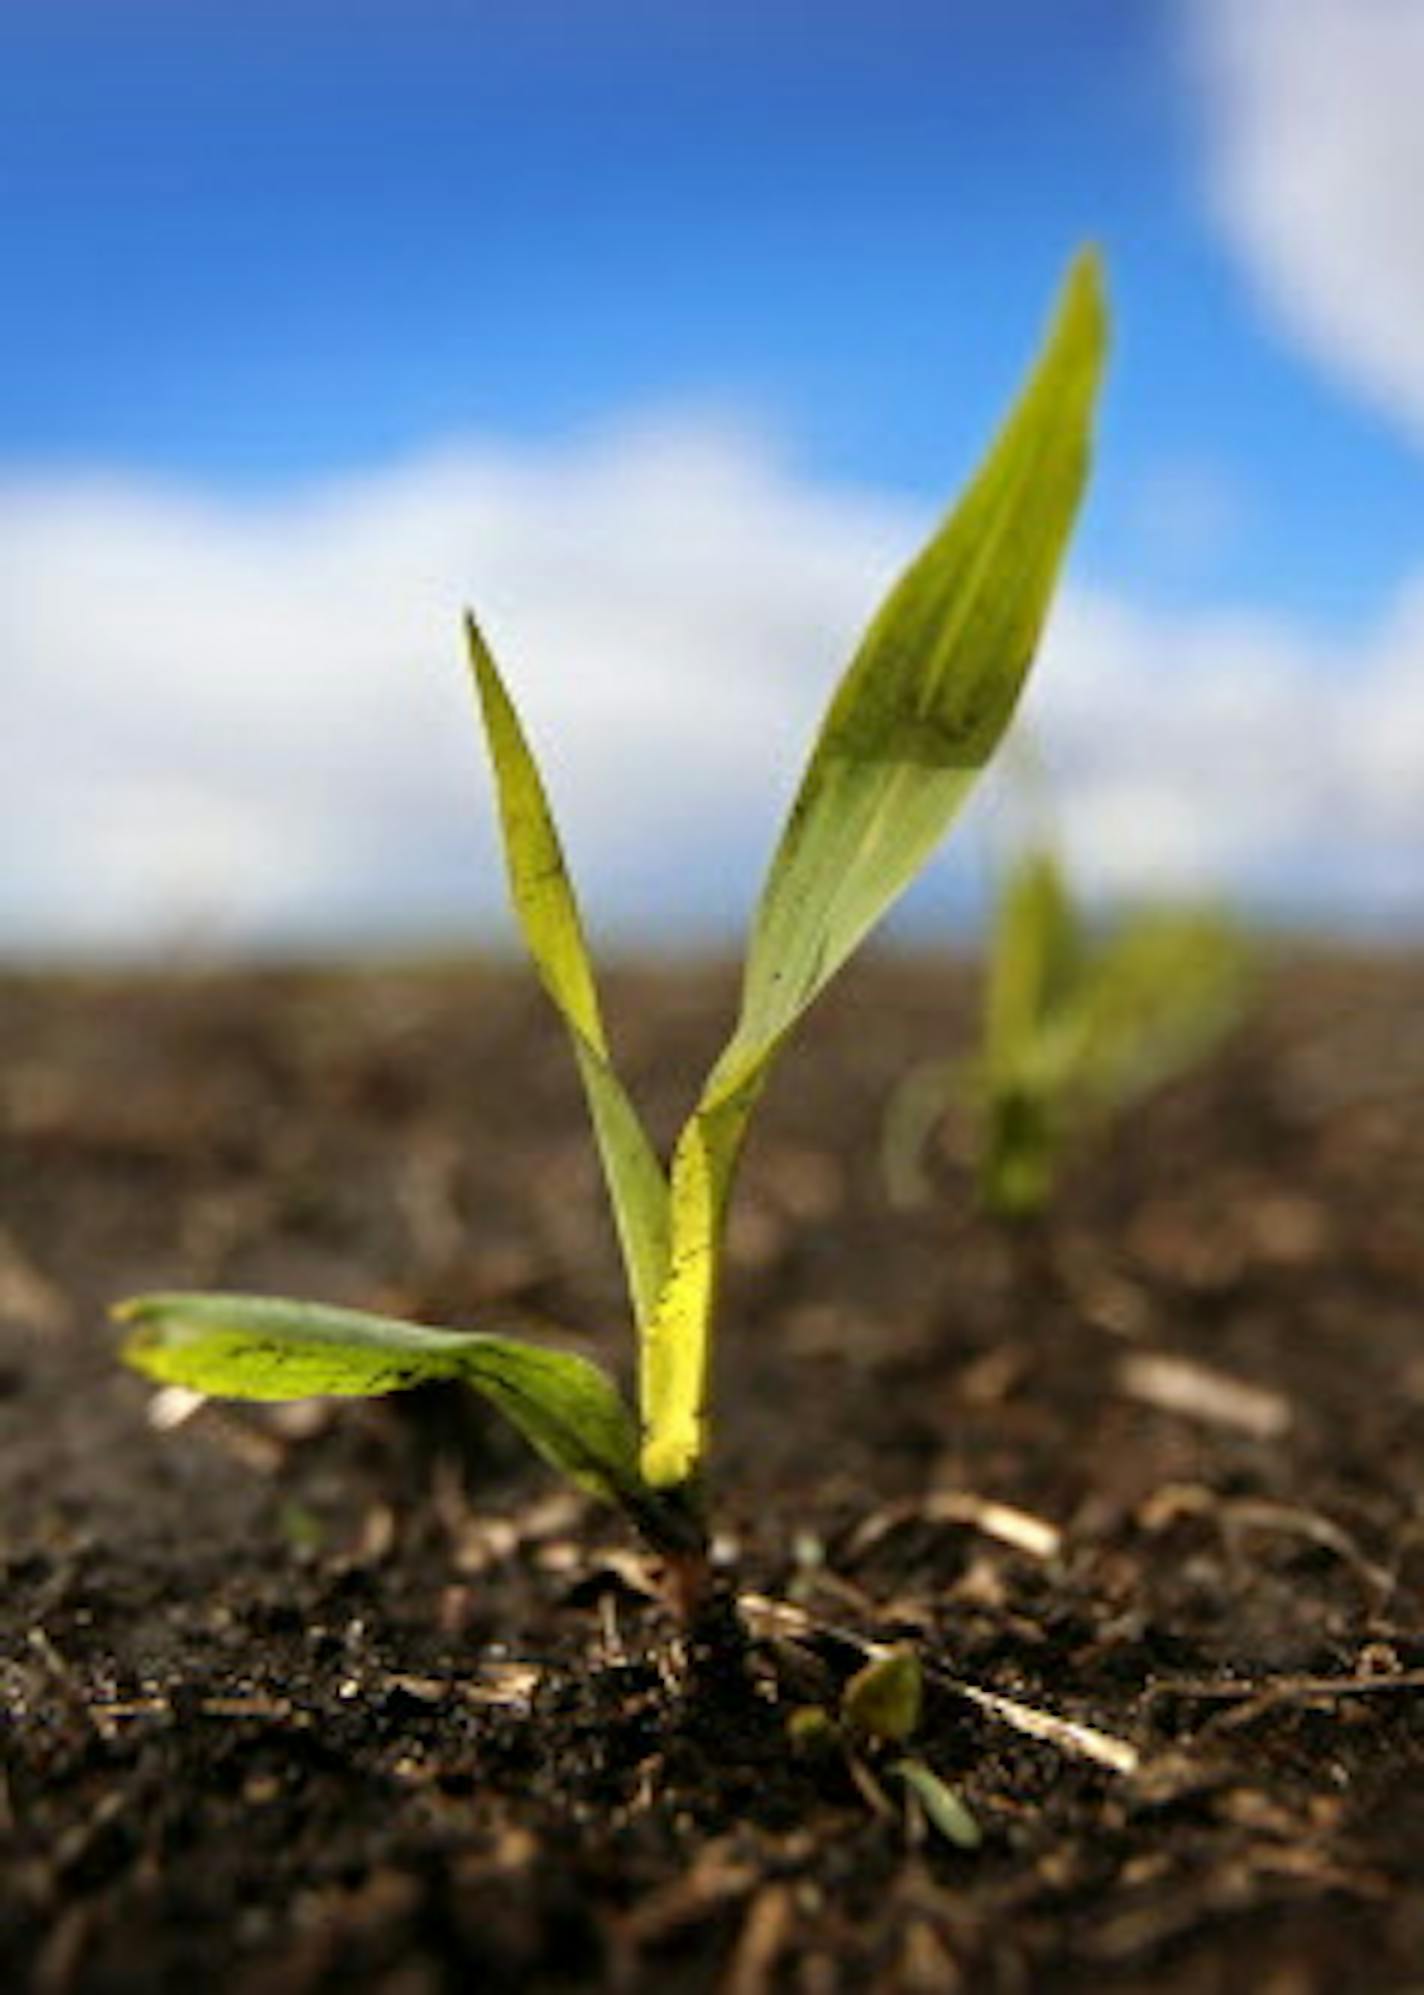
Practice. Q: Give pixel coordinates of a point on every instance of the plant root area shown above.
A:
(355, 1696)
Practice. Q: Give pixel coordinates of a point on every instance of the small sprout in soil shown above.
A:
(813, 1732)
(880, 1710)
(884, 1699)
(911, 726)
(1074, 1027)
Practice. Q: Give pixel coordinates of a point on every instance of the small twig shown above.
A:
(172, 1407)
(1235, 1515)
(1251, 1700)
(133, 1707)
(64, 1676)
(1019, 1529)
(762, 1941)
(610, 1634)
(276, 1709)
(508, 1685)
(1257, 1513)
(1087, 1741)
(1198, 1392)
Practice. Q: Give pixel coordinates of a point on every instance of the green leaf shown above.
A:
(915, 719)
(931, 689)
(1036, 962)
(544, 902)
(812, 1731)
(1076, 1026)
(944, 1810)
(885, 1698)
(260, 1347)
(1150, 1000)
(1036, 959)
(672, 1373)
(912, 1114)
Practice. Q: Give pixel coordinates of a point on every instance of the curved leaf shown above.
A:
(1150, 1000)
(262, 1347)
(915, 719)
(1076, 1025)
(945, 1810)
(930, 690)
(885, 1697)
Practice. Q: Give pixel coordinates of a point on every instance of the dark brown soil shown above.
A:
(358, 1698)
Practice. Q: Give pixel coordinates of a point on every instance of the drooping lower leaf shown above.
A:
(262, 1347)
(915, 719)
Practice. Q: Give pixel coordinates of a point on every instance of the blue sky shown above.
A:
(255, 251)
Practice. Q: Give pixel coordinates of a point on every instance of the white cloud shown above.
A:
(1318, 162)
(250, 723)
(1239, 753)
(254, 721)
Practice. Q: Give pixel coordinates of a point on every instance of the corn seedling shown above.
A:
(913, 722)
(1074, 1028)
(871, 1733)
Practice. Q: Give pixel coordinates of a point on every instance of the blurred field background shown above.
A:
(658, 335)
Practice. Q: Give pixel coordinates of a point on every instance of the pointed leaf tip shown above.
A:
(913, 722)
(547, 911)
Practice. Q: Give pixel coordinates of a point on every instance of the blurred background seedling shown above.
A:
(1077, 1022)
(880, 1711)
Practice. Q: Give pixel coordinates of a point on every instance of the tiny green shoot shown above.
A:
(884, 1699)
(944, 1810)
(912, 724)
(880, 1711)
